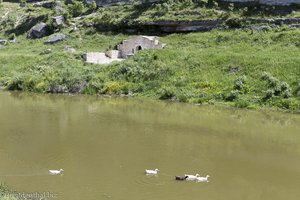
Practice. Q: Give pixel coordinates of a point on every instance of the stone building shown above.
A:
(124, 50)
(131, 46)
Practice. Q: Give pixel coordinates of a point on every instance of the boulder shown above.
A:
(58, 20)
(55, 38)
(59, 9)
(44, 4)
(69, 49)
(37, 31)
(3, 42)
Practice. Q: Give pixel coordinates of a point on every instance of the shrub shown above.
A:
(272, 81)
(297, 91)
(117, 88)
(234, 94)
(234, 23)
(290, 104)
(268, 94)
(91, 6)
(76, 8)
(23, 3)
(239, 83)
(167, 92)
(242, 103)
(12, 36)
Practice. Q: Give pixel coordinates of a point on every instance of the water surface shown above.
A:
(105, 144)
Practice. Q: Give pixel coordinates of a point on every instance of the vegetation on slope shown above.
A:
(242, 67)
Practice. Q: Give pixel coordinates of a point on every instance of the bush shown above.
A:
(76, 8)
(235, 23)
(12, 36)
(297, 91)
(268, 94)
(116, 88)
(290, 104)
(91, 6)
(239, 83)
(242, 103)
(167, 92)
(234, 94)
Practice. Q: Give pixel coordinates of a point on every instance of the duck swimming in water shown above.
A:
(55, 172)
(192, 177)
(180, 178)
(151, 172)
(203, 179)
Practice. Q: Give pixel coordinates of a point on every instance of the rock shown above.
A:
(56, 38)
(12, 41)
(58, 20)
(59, 9)
(58, 89)
(273, 26)
(78, 87)
(69, 49)
(3, 42)
(45, 4)
(259, 28)
(37, 31)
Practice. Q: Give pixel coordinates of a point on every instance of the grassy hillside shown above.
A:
(241, 68)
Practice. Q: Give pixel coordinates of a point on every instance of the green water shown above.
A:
(105, 144)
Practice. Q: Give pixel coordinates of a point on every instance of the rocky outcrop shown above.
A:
(37, 31)
(45, 4)
(286, 21)
(207, 25)
(3, 42)
(55, 38)
(103, 3)
(185, 26)
(266, 2)
(58, 20)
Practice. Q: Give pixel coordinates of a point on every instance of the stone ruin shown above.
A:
(124, 50)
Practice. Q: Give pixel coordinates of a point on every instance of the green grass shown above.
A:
(215, 67)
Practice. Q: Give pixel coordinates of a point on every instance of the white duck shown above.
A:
(151, 172)
(202, 179)
(192, 177)
(55, 172)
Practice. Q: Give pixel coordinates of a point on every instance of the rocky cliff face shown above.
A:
(268, 2)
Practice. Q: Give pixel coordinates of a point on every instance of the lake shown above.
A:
(105, 144)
